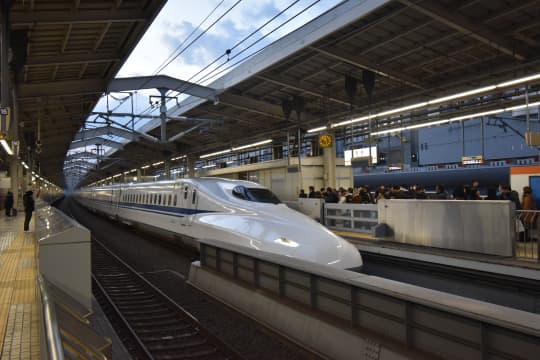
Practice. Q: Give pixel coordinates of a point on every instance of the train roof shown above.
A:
(208, 182)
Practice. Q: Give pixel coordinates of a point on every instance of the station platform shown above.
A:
(19, 303)
(497, 264)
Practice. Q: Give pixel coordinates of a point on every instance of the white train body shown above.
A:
(239, 212)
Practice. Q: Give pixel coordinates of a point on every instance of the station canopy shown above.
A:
(63, 54)
(359, 58)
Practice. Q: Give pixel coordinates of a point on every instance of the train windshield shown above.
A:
(255, 194)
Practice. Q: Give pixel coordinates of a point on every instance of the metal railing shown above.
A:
(360, 218)
(527, 234)
(53, 340)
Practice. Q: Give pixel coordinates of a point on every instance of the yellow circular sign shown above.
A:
(325, 141)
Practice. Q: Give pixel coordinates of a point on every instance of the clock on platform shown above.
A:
(325, 141)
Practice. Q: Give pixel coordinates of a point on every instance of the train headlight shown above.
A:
(284, 241)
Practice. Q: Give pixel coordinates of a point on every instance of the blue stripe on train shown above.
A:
(162, 209)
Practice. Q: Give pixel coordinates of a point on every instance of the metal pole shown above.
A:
(4, 76)
(482, 135)
(163, 114)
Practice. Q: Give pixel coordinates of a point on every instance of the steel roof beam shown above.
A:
(81, 155)
(252, 105)
(81, 163)
(351, 59)
(465, 26)
(283, 82)
(106, 130)
(77, 17)
(59, 88)
(165, 82)
(94, 141)
(71, 59)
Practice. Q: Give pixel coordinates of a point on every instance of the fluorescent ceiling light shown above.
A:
(462, 94)
(6, 146)
(226, 151)
(519, 81)
(457, 118)
(178, 158)
(208, 166)
(215, 153)
(252, 145)
(157, 163)
(145, 167)
(317, 129)
(434, 101)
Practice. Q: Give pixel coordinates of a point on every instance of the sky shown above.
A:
(169, 35)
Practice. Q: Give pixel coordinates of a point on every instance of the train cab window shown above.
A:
(186, 190)
(255, 194)
(194, 196)
(175, 200)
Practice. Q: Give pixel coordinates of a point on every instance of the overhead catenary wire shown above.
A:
(212, 74)
(187, 87)
(170, 58)
(174, 55)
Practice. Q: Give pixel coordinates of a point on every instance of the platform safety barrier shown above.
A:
(527, 234)
(419, 319)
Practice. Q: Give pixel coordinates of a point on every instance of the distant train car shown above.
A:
(239, 212)
(449, 178)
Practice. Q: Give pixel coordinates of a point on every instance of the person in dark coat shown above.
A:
(28, 201)
(9, 203)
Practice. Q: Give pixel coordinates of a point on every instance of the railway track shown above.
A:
(149, 323)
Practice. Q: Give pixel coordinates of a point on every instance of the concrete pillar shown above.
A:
(329, 165)
(191, 166)
(167, 166)
(14, 187)
(28, 177)
(4, 73)
(139, 175)
(277, 151)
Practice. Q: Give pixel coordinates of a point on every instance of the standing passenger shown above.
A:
(528, 216)
(474, 191)
(28, 202)
(9, 203)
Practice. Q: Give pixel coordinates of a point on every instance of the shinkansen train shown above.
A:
(239, 212)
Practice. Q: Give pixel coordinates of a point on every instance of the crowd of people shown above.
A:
(363, 194)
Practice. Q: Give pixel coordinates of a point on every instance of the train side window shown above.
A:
(194, 196)
(185, 192)
(159, 199)
(169, 202)
(175, 200)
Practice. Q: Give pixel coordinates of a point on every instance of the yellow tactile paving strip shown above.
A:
(19, 306)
